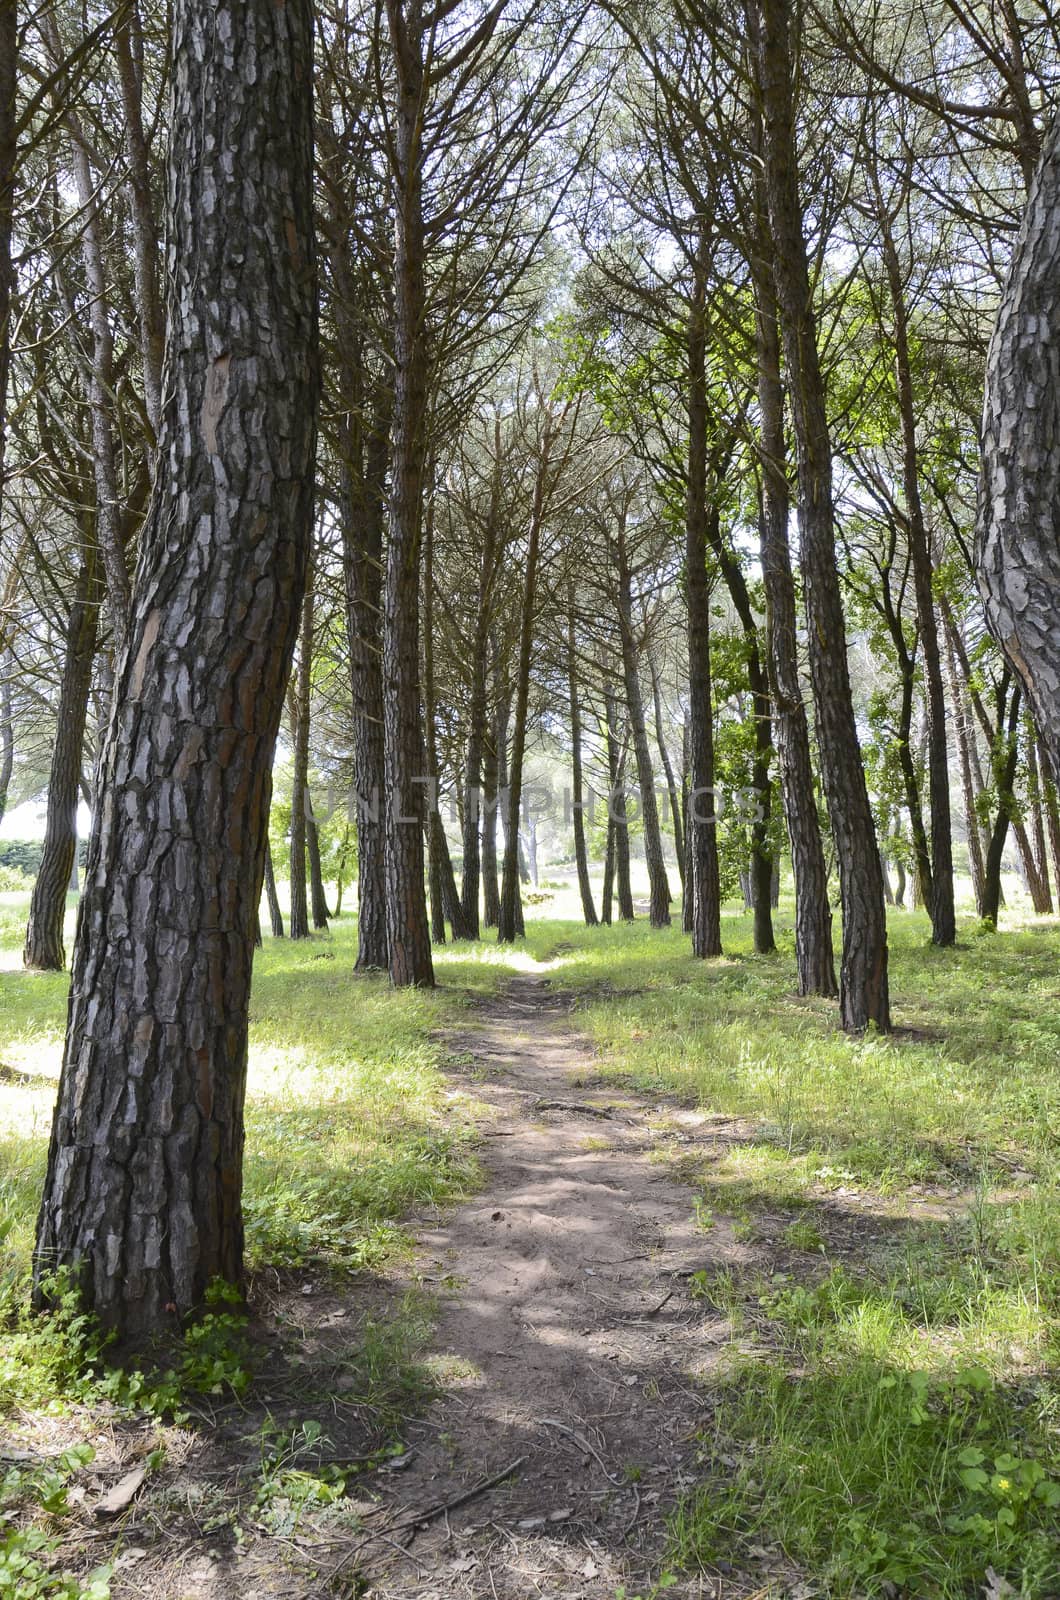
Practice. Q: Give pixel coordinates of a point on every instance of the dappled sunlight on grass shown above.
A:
(972, 1072)
(349, 1121)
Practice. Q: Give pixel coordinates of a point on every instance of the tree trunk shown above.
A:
(618, 825)
(363, 516)
(318, 900)
(863, 989)
(142, 1197)
(676, 816)
(658, 884)
(300, 773)
(1018, 523)
(408, 929)
(581, 853)
(702, 876)
(8, 162)
(907, 762)
(508, 926)
(1005, 759)
(275, 914)
(941, 904)
(607, 889)
(44, 950)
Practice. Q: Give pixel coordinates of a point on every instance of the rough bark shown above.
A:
(863, 989)
(1036, 806)
(8, 159)
(275, 914)
(1018, 523)
(658, 883)
(44, 951)
(940, 899)
(110, 526)
(363, 518)
(142, 1197)
(702, 877)
(444, 895)
(581, 853)
(408, 929)
(300, 713)
(965, 737)
(1005, 759)
(791, 733)
(491, 893)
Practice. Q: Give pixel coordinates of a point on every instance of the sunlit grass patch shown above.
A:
(350, 1122)
(879, 1478)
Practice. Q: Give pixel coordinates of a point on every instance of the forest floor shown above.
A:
(597, 1273)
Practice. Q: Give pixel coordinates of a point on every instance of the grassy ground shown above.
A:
(348, 1124)
(888, 1415)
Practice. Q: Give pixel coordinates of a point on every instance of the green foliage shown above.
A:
(27, 1550)
(879, 1477)
(24, 1575)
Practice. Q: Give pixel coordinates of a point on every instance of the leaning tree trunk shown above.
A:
(581, 853)
(863, 989)
(1018, 523)
(275, 914)
(128, 51)
(791, 734)
(44, 950)
(300, 775)
(702, 876)
(142, 1196)
(659, 887)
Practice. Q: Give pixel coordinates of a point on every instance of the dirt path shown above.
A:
(567, 1339)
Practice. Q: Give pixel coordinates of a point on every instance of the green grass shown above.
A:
(887, 1418)
(971, 1075)
(349, 1124)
